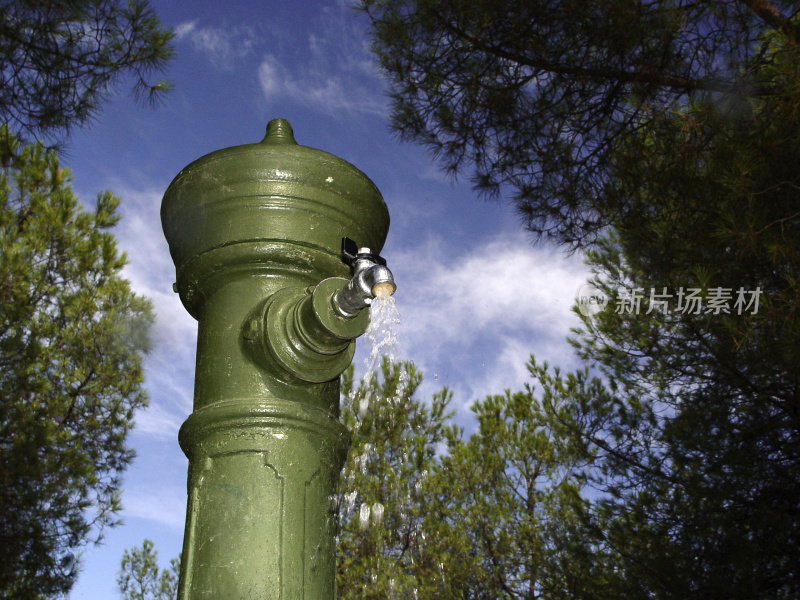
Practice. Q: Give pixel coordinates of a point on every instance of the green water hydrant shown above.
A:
(261, 239)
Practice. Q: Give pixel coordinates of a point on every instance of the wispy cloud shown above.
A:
(162, 503)
(169, 366)
(331, 91)
(182, 30)
(222, 46)
(159, 420)
(333, 71)
(503, 285)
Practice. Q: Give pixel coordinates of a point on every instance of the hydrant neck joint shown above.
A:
(300, 335)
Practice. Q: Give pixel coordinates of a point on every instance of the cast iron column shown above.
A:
(255, 232)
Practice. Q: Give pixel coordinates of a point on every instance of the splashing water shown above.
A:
(377, 513)
(382, 335)
(350, 501)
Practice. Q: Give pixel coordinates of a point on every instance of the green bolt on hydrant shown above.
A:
(261, 236)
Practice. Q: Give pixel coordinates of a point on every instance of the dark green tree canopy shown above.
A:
(703, 441)
(664, 133)
(61, 57)
(695, 445)
(534, 97)
(72, 336)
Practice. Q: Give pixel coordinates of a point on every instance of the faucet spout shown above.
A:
(383, 284)
(371, 279)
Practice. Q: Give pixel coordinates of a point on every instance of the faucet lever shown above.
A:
(351, 253)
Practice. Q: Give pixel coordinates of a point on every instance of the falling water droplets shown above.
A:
(350, 502)
(382, 337)
(363, 406)
(377, 513)
(363, 517)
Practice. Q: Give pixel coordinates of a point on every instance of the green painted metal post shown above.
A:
(255, 233)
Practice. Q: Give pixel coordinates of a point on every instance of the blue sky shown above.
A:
(475, 296)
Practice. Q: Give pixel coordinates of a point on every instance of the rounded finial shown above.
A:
(279, 132)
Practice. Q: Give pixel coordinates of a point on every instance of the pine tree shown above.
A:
(509, 517)
(61, 58)
(696, 441)
(140, 577)
(72, 337)
(384, 488)
(663, 137)
(533, 98)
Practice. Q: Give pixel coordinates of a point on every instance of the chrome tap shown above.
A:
(371, 278)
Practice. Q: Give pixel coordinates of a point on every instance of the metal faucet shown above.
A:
(371, 278)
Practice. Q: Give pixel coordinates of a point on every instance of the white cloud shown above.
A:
(503, 370)
(222, 46)
(332, 72)
(269, 77)
(184, 29)
(151, 270)
(158, 421)
(169, 366)
(163, 503)
(502, 286)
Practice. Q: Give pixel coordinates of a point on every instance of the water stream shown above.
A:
(382, 336)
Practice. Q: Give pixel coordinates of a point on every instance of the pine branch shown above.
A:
(774, 18)
(651, 77)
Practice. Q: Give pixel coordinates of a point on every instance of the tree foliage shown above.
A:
(704, 440)
(664, 133)
(140, 577)
(384, 489)
(72, 336)
(695, 443)
(509, 516)
(536, 97)
(427, 514)
(61, 58)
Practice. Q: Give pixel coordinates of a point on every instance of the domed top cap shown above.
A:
(279, 132)
(274, 190)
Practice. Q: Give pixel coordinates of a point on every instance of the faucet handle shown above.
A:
(351, 252)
